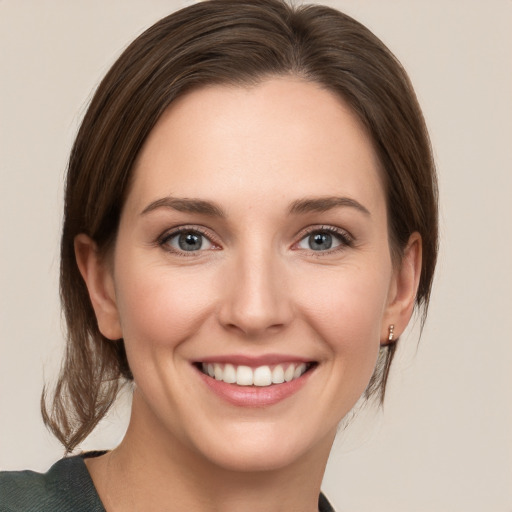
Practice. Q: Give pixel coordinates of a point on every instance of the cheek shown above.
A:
(159, 307)
(347, 309)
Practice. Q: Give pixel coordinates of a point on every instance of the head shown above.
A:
(242, 46)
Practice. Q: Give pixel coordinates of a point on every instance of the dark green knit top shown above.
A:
(66, 487)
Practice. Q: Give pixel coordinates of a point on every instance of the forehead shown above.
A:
(284, 135)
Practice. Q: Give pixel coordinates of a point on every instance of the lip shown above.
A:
(254, 361)
(254, 396)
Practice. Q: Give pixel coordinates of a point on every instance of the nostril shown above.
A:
(255, 302)
(253, 329)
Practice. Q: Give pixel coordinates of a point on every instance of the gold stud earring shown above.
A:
(391, 332)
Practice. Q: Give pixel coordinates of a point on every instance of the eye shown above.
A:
(324, 239)
(186, 241)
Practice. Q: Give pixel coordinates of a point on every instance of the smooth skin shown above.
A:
(278, 194)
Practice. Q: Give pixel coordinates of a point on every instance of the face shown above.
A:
(251, 277)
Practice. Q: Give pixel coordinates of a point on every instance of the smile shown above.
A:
(261, 376)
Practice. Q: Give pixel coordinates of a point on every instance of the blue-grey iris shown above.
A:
(190, 241)
(320, 241)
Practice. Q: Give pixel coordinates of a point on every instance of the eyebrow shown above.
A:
(298, 207)
(323, 204)
(186, 205)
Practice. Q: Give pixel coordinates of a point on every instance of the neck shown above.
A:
(151, 470)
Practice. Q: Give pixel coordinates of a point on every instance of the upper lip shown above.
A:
(255, 361)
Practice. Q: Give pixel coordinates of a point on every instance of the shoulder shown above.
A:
(20, 490)
(323, 504)
(67, 486)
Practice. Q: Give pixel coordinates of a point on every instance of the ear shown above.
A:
(98, 276)
(403, 290)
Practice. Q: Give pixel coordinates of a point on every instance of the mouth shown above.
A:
(259, 376)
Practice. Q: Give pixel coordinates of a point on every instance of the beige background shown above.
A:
(444, 440)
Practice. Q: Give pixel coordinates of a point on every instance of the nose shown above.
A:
(255, 298)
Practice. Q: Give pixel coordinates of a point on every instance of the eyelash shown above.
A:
(345, 239)
(163, 240)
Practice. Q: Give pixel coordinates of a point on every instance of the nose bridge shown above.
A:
(255, 299)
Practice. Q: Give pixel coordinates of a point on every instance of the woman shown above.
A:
(250, 220)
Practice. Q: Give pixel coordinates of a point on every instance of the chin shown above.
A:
(264, 448)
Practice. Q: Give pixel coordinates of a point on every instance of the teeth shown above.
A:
(229, 374)
(244, 376)
(260, 376)
(278, 375)
(288, 374)
(299, 371)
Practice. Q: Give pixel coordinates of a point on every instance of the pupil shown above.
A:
(320, 241)
(190, 242)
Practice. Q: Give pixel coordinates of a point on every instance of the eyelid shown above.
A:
(346, 239)
(186, 228)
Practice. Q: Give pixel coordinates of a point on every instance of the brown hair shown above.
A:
(232, 42)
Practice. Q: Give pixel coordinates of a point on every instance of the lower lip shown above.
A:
(255, 396)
